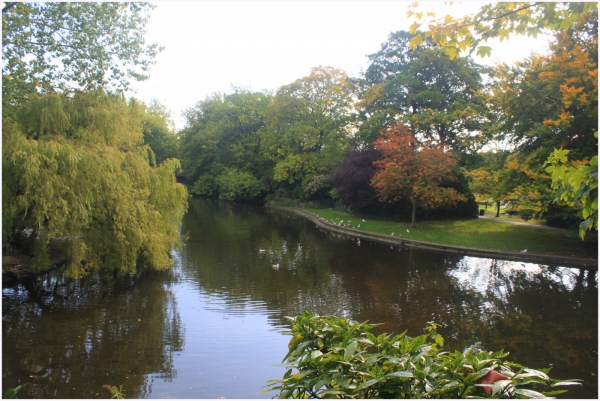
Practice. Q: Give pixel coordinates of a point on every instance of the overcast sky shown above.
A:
(262, 45)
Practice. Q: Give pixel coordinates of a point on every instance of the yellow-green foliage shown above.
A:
(76, 168)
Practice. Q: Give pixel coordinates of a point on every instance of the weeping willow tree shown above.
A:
(76, 172)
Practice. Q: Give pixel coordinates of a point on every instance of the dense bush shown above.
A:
(234, 184)
(319, 187)
(205, 185)
(340, 358)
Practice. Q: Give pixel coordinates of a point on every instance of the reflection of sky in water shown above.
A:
(491, 277)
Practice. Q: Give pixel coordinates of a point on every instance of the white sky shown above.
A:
(262, 45)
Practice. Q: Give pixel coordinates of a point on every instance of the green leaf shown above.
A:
(484, 51)
(404, 373)
(567, 383)
(416, 41)
(368, 383)
(472, 378)
(452, 52)
(500, 386)
(349, 352)
(323, 382)
(315, 354)
(529, 393)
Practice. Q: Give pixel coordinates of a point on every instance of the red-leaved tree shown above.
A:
(414, 170)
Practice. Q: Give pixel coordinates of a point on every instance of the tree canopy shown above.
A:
(309, 125)
(222, 148)
(76, 168)
(438, 98)
(77, 176)
(73, 46)
(413, 170)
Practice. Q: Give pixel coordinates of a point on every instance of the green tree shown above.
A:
(159, 132)
(495, 20)
(75, 167)
(238, 185)
(225, 132)
(438, 98)
(577, 184)
(309, 126)
(74, 46)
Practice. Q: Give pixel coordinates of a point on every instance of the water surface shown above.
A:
(213, 326)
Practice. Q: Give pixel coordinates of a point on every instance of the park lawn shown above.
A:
(477, 233)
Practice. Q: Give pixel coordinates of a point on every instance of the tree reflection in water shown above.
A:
(543, 315)
(67, 339)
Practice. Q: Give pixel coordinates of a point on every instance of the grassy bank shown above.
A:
(476, 233)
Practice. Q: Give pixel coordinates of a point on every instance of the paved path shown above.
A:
(519, 223)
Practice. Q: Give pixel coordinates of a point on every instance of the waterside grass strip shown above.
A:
(529, 257)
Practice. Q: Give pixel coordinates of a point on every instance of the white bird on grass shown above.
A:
(275, 267)
(524, 251)
(407, 230)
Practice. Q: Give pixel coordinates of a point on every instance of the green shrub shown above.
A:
(340, 358)
(238, 185)
(205, 185)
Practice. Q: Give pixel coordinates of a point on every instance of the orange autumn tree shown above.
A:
(413, 170)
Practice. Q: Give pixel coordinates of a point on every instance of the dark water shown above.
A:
(212, 327)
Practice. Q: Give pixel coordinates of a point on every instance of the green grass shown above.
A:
(477, 233)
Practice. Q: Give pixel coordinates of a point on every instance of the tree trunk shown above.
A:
(497, 208)
(414, 214)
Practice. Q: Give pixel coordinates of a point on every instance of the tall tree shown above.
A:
(76, 167)
(75, 46)
(414, 170)
(224, 136)
(436, 97)
(546, 103)
(309, 125)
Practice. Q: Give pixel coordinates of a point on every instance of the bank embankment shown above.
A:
(526, 256)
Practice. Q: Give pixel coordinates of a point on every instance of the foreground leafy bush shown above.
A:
(340, 358)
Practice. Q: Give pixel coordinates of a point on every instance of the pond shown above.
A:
(214, 325)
